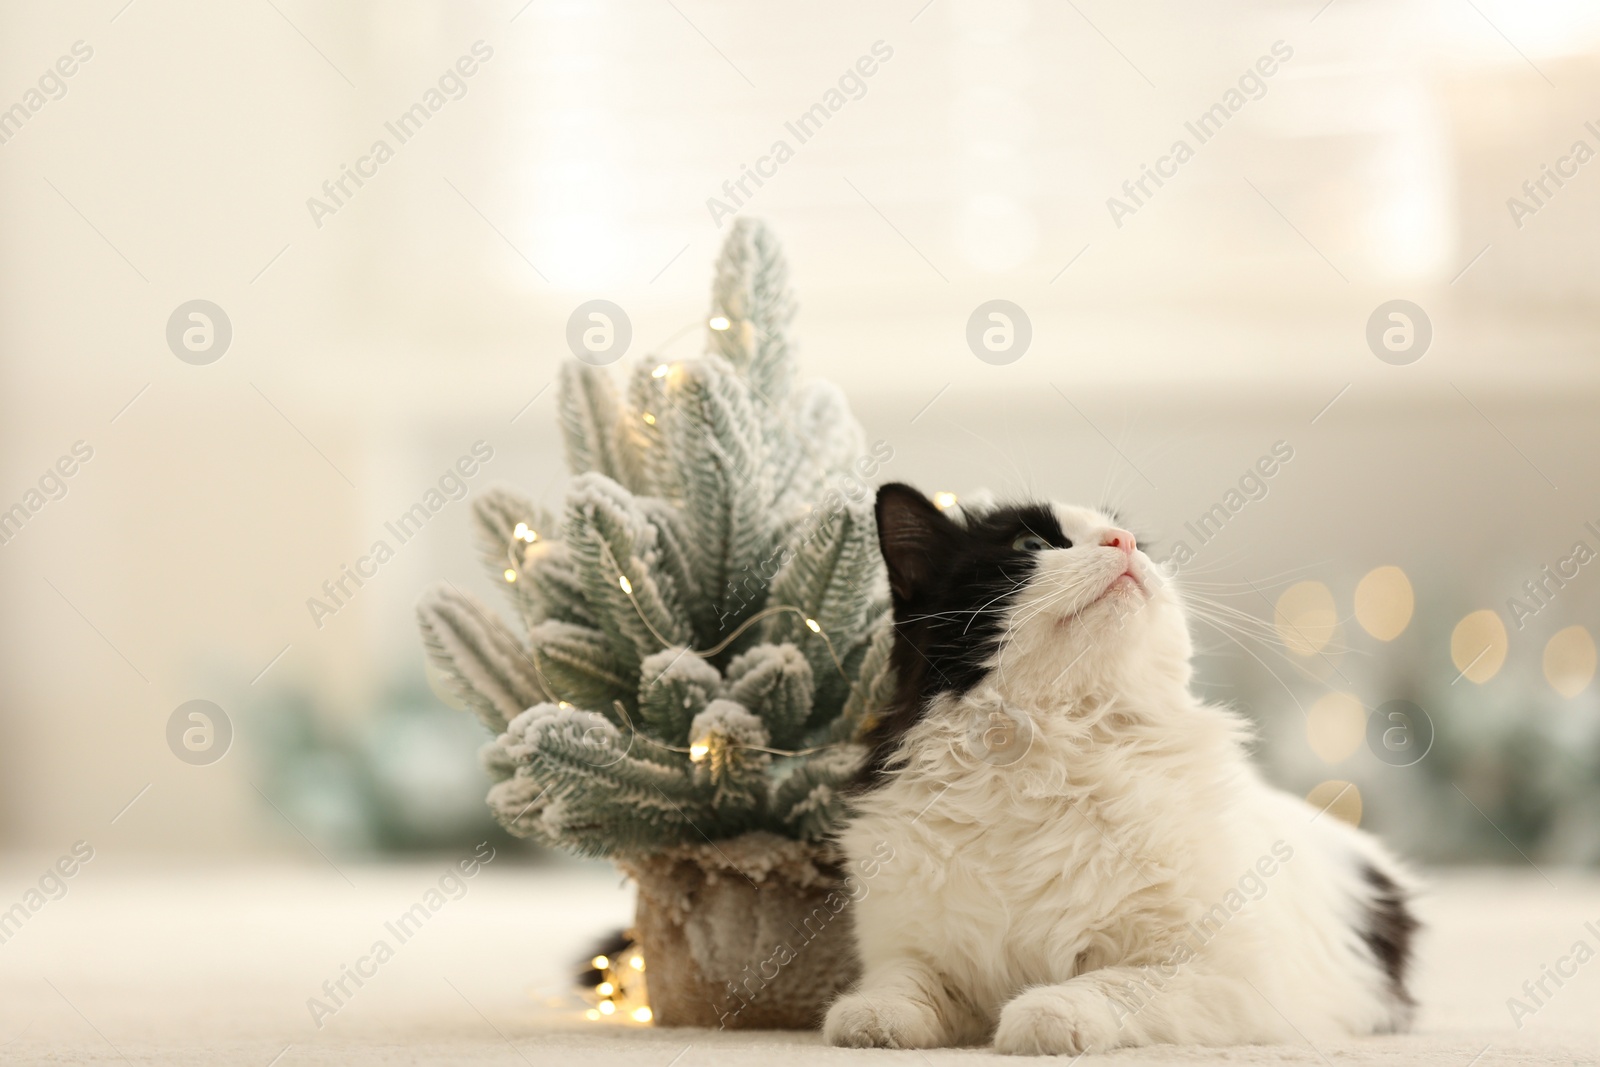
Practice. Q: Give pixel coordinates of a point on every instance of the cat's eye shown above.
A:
(1030, 543)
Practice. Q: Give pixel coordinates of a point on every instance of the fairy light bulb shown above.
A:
(605, 989)
(813, 626)
(660, 371)
(720, 322)
(944, 500)
(649, 419)
(510, 575)
(643, 1015)
(698, 751)
(599, 963)
(636, 962)
(627, 586)
(606, 1007)
(591, 1015)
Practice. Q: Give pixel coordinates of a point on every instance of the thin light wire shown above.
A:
(622, 712)
(765, 613)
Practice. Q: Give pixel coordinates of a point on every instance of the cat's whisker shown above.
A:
(1264, 665)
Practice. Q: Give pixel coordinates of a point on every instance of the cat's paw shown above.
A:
(881, 1020)
(1056, 1021)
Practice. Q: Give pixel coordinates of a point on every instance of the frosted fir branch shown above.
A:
(704, 495)
(589, 412)
(775, 683)
(836, 578)
(578, 665)
(872, 689)
(833, 573)
(518, 802)
(647, 394)
(833, 440)
(481, 660)
(495, 761)
(614, 548)
(599, 796)
(715, 430)
(550, 580)
(733, 767)
(751, 291)
(675, 685)
(810, 793)
(496, 514)
(674, 560)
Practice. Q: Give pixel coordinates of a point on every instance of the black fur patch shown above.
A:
(952, 586)
(1388, 931)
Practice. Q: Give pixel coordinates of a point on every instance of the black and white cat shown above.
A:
(1083, 855)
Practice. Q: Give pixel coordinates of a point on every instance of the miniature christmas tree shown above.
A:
(707, 620)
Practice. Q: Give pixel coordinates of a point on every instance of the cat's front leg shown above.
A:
(1117, 1007)
(1057, 1020)
(899, 1004)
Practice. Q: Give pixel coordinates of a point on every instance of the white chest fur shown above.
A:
(1097, 851)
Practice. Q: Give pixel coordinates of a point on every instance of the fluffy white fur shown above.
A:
(1059, 902)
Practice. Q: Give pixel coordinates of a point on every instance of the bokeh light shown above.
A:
(1478, 646)
(1384, 602)
(1335, 726)
(1306, 618)
(1338, 798)
(1569, 660)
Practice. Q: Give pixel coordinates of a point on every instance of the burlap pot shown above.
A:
(749, 933)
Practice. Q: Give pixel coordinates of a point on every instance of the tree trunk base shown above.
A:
(751, 933)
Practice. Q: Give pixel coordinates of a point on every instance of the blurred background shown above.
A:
(1180, 332)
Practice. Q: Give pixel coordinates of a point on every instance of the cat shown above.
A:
(1083, 856)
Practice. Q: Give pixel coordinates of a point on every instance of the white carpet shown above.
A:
(209, 966)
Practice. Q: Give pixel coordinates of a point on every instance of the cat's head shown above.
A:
(1045, 602)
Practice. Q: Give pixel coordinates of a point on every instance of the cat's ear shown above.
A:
(914, 535)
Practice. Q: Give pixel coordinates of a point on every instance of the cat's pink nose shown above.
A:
(1115, 538)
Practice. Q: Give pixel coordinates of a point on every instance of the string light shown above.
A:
(720, 322)
(620, 991)
(523, 533)
(660, 372)
(944, 500)
(699, 750)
